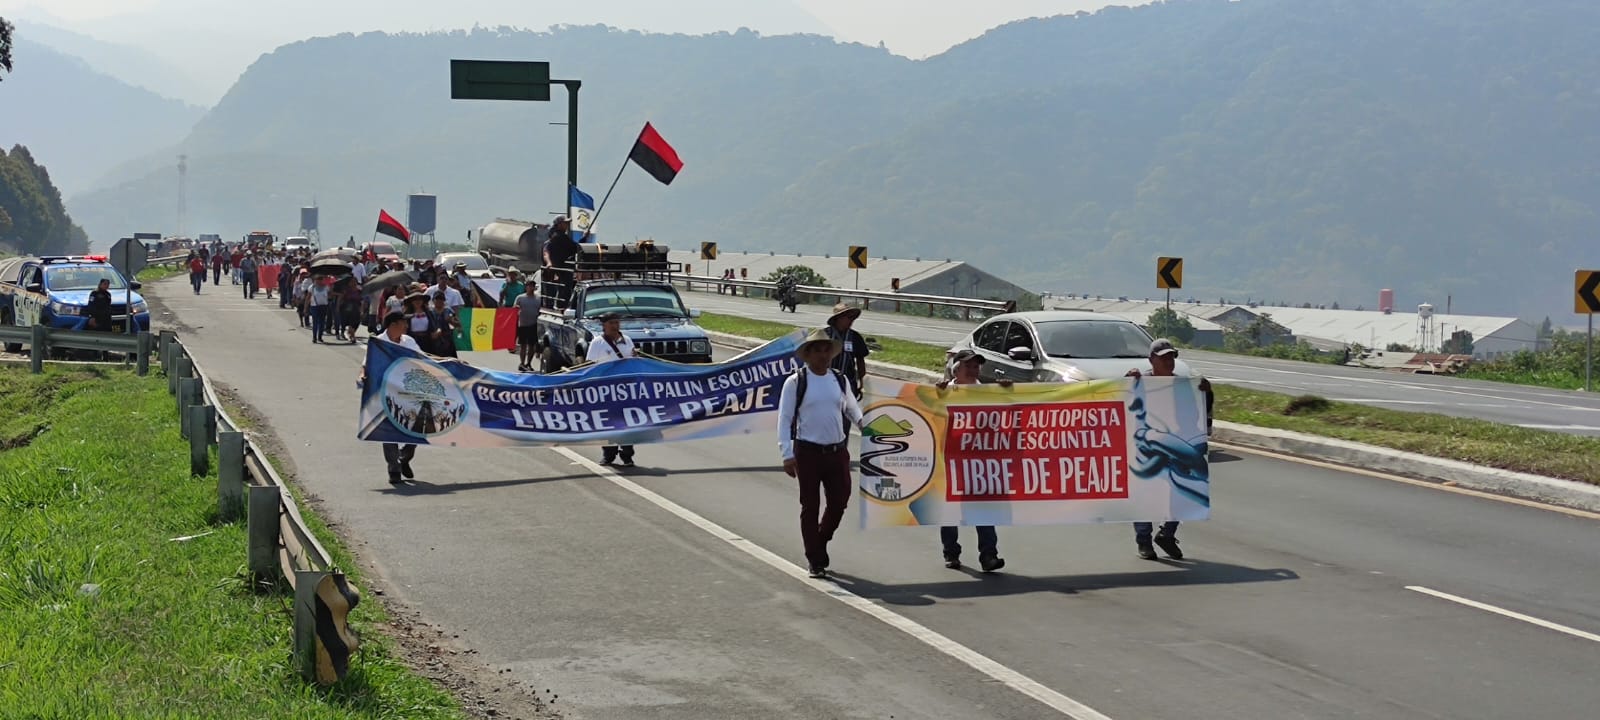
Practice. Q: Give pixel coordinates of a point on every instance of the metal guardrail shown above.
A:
(168, 260)
(280, 544)
(966, 305)
(41, 340)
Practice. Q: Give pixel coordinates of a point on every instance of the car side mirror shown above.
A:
(570, 314)
(1021, 354)
(694, 312)
(136, 284)
(35, 287)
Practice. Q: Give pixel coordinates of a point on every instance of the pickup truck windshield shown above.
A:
(474, 261)
(80, 278)
(640, 301)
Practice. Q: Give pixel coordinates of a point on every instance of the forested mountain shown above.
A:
(32, 218)
(1293, 150)
(84, 121)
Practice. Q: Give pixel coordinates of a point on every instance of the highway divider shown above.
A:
(965, 305)
(281, 546)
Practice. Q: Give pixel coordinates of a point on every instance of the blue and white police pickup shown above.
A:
(54, 291)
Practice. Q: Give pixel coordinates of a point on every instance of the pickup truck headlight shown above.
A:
(700, 346)
(62, 308)
(140, 307)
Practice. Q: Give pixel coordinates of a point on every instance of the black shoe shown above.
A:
(405, 469)
(1169, 545)
(991, 563)
(1146, 551)
(394, 479)
(607, 461)
(817, 571)
(627, 462)
(953, 562)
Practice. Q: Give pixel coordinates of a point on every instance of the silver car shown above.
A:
(1059, 346)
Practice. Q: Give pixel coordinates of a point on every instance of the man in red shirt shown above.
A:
(197, 271)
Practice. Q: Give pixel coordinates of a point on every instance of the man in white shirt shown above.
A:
(611, 346)
(397, 456)
(815, 411)
(318, 297)
(452, 296)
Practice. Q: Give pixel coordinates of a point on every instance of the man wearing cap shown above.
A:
(611, 346)
(395, 455)
(966, 363)
(1164, 363)
(852, 359)
(527, 305)
(559, 251)
(815, 412)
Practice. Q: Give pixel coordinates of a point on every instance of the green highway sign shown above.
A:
(499, 80)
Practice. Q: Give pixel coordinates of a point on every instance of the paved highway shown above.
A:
(672, 591)
(1534, 407)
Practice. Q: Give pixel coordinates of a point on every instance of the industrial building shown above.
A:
(1329, 329)
(951, 278)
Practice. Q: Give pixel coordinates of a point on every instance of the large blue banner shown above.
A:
(413, 398)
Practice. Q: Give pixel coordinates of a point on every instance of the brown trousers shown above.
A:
(823, 475)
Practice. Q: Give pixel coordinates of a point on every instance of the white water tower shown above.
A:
(1424, 327)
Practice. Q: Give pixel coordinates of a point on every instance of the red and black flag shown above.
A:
(392, 227)
(654, 155)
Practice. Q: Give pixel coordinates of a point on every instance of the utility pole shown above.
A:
(183, 192)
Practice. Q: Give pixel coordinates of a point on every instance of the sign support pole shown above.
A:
(858, 279)
(1588, 357)
(127, 297)
(1169, 299)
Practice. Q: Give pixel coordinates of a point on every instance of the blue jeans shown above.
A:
(319, 321)
(197, 279)
(988, 540)
(1141, 530)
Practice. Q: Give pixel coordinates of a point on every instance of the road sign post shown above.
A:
(1586, 301)
(129, 256)
(858, 261)
(1169, 275)
(708, 252)
(527, 81)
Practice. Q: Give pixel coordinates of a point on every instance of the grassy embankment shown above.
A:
(153, 273)
(106, 612)
(1475, 441)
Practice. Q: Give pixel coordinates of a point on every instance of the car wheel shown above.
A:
(550, 361)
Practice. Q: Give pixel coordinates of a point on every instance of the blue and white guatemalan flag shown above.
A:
(581, 213)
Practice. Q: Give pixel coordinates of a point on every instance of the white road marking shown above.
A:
(1382, 382)
(972, 658)
(1536, 426)
(1531, 620)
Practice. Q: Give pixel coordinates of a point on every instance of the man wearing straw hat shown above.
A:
(815, 412)
(852, 359)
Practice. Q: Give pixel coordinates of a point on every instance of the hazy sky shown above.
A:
(915, 28)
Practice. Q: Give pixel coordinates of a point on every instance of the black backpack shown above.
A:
(800, 396)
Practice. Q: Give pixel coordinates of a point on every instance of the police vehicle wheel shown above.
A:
(8, 319)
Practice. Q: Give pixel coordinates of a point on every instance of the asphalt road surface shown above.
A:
(1534, 407)
(674, 590)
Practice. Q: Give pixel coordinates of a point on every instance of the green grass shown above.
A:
(1550, 378)
(1474, 441)
(890, 350)
(95, 496)
(153, 273)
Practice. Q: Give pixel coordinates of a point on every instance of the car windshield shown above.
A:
(639, 301)
(81, 278)
(1093, 339)
(382, 249)
(474, 262)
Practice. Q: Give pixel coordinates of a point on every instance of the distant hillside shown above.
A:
(32, 217)
(129, 64)
(84, 122)
(1290, 150)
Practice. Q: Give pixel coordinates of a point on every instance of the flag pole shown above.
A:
(596, 219)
